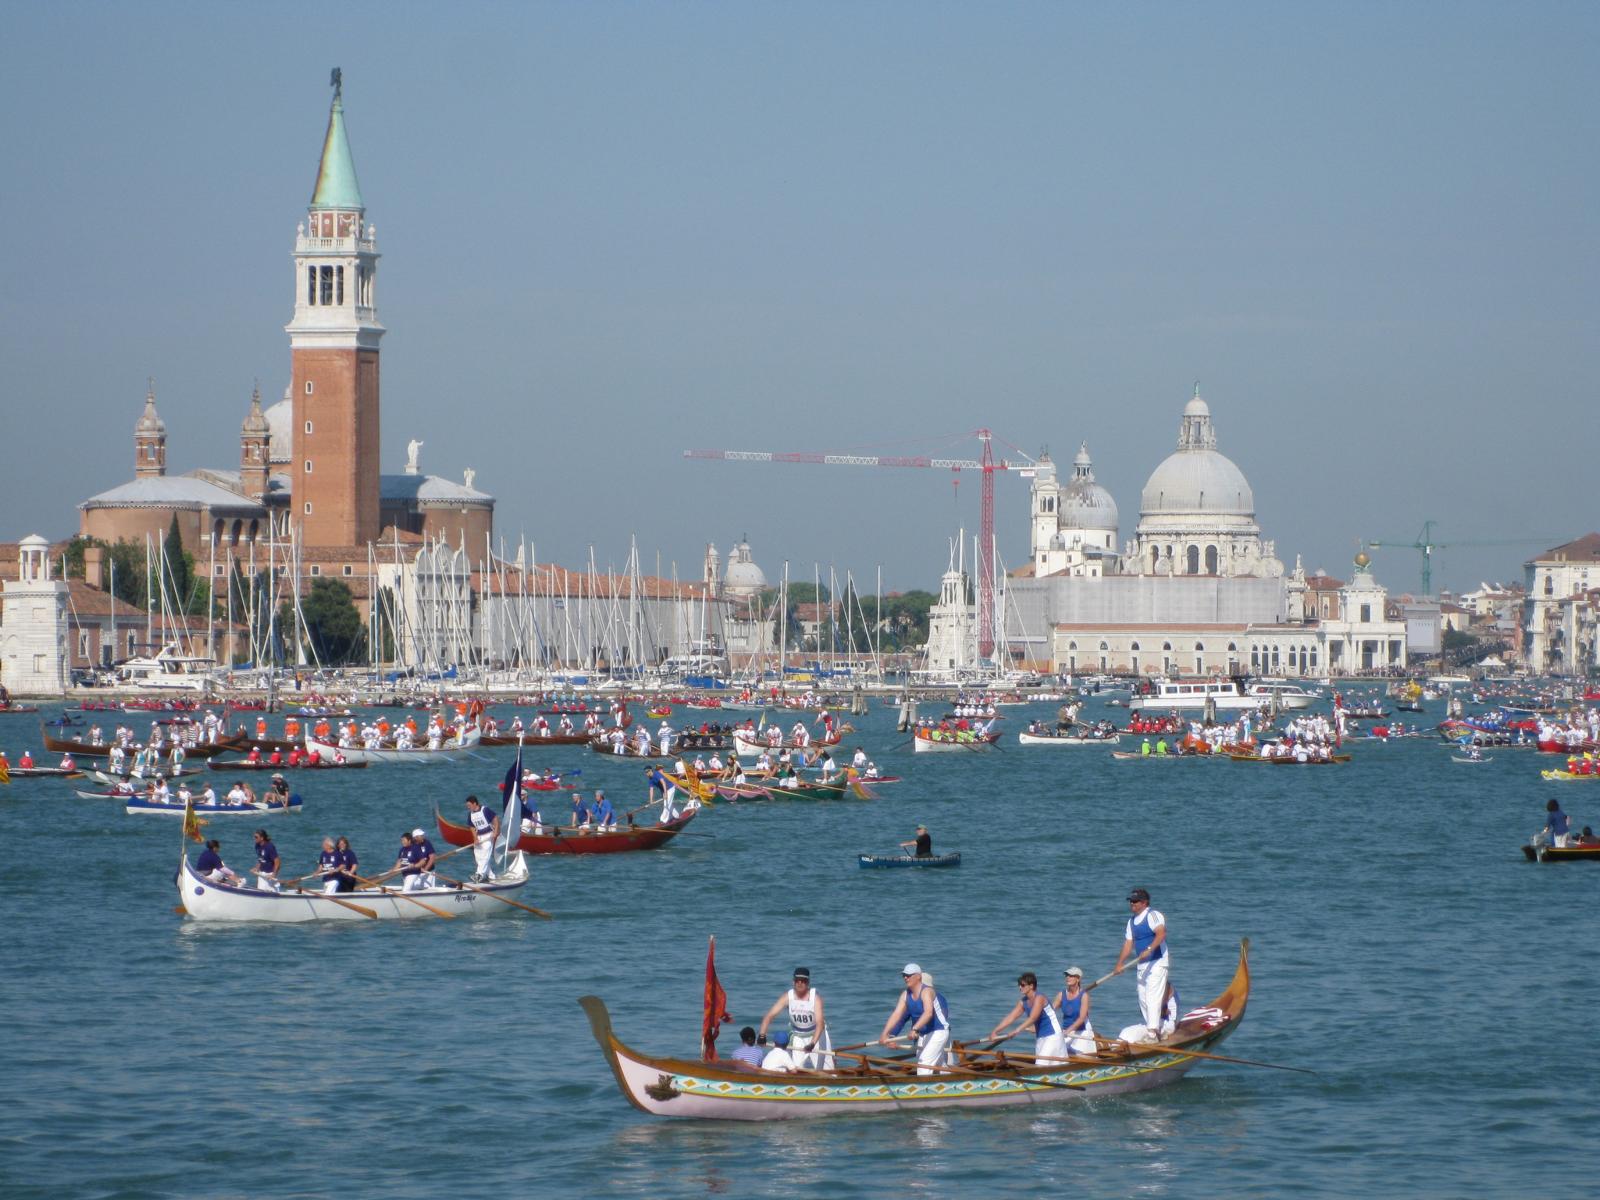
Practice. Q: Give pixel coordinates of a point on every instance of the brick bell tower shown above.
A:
(333, 342)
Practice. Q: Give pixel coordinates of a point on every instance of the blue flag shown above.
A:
(511, 809)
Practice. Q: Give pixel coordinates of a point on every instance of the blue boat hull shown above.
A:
(910, 860)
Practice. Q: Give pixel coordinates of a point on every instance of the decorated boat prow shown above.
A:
(689, 1088)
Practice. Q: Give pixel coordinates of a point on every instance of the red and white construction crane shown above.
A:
(985, 464)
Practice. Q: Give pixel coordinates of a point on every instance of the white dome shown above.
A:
(1198, 481)
(1084, 503)
(744, 577)
(280, 421)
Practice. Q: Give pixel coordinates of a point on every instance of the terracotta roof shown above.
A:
(1584, 549)
(1324, 583)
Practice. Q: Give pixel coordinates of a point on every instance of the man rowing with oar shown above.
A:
(924, 1010)
(1145, 938)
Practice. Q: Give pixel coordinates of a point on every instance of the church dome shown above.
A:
(280, 423)
(1084, 503)
(1197, 479)
(742, 577)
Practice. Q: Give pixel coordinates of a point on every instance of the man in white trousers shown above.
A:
(485, 829)
(1145, 941)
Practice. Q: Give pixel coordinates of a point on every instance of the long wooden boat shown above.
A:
(141, 806)
(1561, 853)
(600, 746)
(1289, 760)
(686, 1087)
(751, 745)
(576, 841)
(457, 747)
(1568, 776)
(532, 741)
(911, 860)
(203, 900)
(244, 764)
(87, 750)
(952, 745)
(1064, 739)
(1482, 758)
(46, 773)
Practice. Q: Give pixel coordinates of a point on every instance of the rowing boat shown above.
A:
(245, 764)
(46, 773)
(87, 750)
(203, 900)
(1561, 853)
(1479, 759)
(456, 747)
(1064, 739)
(578, 841)
(143, 806)
(911, 860)
(747, 744)
(1567, 776)
(683, 1087)
(530, 740)
(952, 744)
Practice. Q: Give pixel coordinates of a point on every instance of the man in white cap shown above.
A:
(924, 1010)
(426, 857)
(1145, 939)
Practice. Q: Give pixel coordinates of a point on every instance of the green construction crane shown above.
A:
(1427, 546)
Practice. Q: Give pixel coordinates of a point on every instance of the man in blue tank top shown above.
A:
(1145, 940)
(925, 1011)
(266, 863)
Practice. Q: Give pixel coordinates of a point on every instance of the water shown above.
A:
(1440, 986)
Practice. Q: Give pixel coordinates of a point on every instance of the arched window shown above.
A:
(255, 529)
(1549, 585)
(1134, 647)
(233, 534)
(1211, 560)
(1192, 565)
(1366, 613)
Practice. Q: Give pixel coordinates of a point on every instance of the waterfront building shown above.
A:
(1197, 589)
(1560, 608)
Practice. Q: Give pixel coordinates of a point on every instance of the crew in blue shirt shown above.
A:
(348, 863)
(267, 863)
(605, 817)
(209, 865)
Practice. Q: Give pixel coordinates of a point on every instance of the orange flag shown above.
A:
(716, 1006)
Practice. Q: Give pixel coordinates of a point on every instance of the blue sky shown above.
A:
(613, 232)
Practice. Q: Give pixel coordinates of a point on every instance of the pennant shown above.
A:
(511, 810)
(716, 1006)
(192, 824)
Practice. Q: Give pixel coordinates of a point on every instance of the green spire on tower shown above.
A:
(336, 174)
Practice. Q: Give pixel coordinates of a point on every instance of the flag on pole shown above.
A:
(5, 770)
(192, 824)
(716, 1006)
(511, 810)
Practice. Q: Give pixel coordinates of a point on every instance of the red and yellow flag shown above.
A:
(192, 824)
(716, 1006)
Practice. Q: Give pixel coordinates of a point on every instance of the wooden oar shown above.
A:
(959, 1073)
(538, 912)
(365, 912)
(438, 912)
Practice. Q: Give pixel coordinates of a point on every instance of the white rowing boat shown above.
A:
(1065, 739)
(456, 747)
(949, 743)
(206, 901)
(141, 806)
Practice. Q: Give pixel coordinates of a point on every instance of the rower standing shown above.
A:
(605, 817)
(427, 856)
(328, 866)
(349, 867)
(809, 1042)
(267, 863)
(485, 828)
(409, 862)
(925, 1011)
(1073, 1004)
(1145, 939)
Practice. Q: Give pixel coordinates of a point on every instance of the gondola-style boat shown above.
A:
(245, 764)
(87, 750)
(751, 745)
(602, 746)
(17, 708)
(531, 741)
(203, 900)
(46, 773)
(952, 744)
(1568, 776)
(1288, 760)
(686, 1087)
(456, 747)
(1535, 853)
(1065, 739)
(140, 805)
(578, 841)
(952, 859)
(771, 789)
(1482, 758)
(1140, 756)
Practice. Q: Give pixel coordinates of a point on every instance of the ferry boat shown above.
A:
(1224, 695)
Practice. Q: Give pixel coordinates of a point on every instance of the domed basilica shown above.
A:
(1195, 590)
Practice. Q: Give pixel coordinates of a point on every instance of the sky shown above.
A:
(612, 232)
